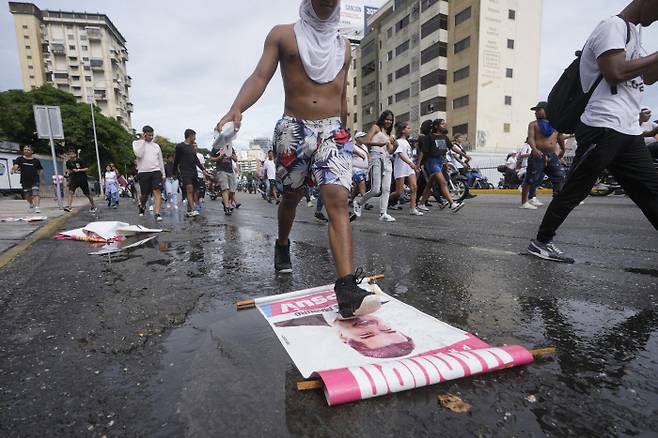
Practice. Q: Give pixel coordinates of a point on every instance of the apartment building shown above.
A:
(78, 52)
(474, 63)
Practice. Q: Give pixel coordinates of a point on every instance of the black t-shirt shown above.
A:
(29, 169)
(225, 164)
(186, 159)
(436, 145)
(76, 163)
(169, 170)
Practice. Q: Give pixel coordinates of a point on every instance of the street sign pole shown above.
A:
(60, 201)
(98, 160)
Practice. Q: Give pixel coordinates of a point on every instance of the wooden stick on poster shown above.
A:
(307, 385)
(248, 304)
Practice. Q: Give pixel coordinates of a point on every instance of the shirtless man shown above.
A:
(547, 148)
(309, 140)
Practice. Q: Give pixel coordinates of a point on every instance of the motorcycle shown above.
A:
(475, 180)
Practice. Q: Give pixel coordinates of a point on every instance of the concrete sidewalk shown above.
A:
(14, 233)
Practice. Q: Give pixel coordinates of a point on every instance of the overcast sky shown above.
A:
(189, 59)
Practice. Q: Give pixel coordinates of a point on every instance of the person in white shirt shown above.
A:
(649, 128)
(111, 186)
(150, 170)
(404, 168)
(609, 135)
(269, 173)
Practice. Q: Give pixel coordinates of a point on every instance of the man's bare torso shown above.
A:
(306, 99)
(545, 144)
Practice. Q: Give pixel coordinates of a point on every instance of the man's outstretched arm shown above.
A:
(255, 85)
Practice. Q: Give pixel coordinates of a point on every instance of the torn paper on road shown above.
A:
(105, 232)
(118, 246)
(24, 219)
(394, 349)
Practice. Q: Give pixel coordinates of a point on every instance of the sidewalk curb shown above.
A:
(40, 233)
(507, 191)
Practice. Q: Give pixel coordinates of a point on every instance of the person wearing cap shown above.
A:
(608, 133)
(360, 164)
(547, 149)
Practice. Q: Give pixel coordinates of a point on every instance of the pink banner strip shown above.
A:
(361, 382)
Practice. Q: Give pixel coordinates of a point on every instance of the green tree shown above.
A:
(17, 125)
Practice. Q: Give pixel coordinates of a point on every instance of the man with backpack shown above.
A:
(613, 70)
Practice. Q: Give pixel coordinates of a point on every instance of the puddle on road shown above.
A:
(222, 365)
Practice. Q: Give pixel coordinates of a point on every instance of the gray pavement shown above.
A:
(148, 342)
(12, 233)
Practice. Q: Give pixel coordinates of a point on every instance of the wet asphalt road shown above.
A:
(148, 343)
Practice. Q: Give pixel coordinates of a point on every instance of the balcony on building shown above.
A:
(94, 33)
(96, 63)
(60, 77)
(57, 48)
(129, 81)
(129, 107)
(124, 55)
(99, 94)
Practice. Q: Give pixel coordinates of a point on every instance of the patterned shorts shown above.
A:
(312, 152)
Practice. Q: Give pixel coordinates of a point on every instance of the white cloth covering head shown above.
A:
(321, 48)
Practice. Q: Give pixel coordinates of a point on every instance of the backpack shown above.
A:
(567, 101)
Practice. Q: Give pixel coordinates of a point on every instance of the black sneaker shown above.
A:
(319, 217)
(352, 300)
(67, 209)
(227, 211)
(237, 205)
(282, 258)
(548, 251)
(141, 210)
(443, 204)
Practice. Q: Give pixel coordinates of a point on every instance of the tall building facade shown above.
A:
(474, 63)
(78, 52)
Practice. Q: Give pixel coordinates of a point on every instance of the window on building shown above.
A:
(84, 58)
(29, 56)
(462, 73)
(31, 76)
(390, 78)
(507, 127)
(389, 55)
(27, 37)
(509, 73)
(88, 78)
(368, 49)
(434, 51)
(460, 129)
(510, 44)
(432, 79)
(84, 48)
(401, 72)
(380, 86)
(390, 100)
(30, 67)
(25, 26)
(389, 32)
(75, 78)
(71, 37)
(27, 47)
(511, 14)
(399, 50)
(354, 63)
(460, 102)
(402, 24)
(508, 100)
(426, 4)
(463, 16)
(368, 68)
(355, 118)
(87, 68)
(354, 99)
(83, 37)
(433, 105)
(439, 21)
(462, 44)
(402, 95)
(402, 118)
(354, 81)
(370, 88)
(71, 47)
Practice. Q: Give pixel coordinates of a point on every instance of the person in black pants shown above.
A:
(608, 134)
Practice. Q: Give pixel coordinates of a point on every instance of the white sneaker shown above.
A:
(386, 218)
(175, 207)
(422, 208)
(528, 206)
(456, 206)
(151, 208)
(415, 212)
(357, 208)
(396, 207)
(309, 204)
(37, 210)
(535, 202)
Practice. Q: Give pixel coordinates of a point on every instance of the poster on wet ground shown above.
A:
(395, 349)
